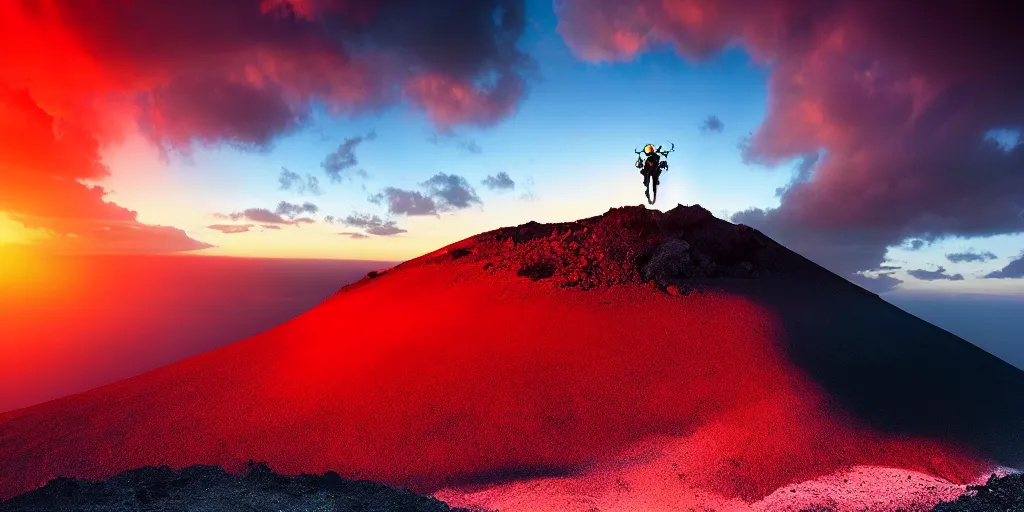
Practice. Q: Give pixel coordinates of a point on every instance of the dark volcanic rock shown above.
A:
(625, 245)
(537, 270)
(210, 489)
(999, 493)
(459, 252)
(671, 259)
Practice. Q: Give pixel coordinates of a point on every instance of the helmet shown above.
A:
(648, 149)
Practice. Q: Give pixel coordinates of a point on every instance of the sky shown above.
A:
(382, 130)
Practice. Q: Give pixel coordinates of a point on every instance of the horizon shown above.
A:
(188, 321)
(312, 170)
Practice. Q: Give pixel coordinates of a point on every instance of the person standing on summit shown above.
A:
(651, 166)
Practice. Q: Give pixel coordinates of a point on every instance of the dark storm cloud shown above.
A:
(241, 73)
(897, 96)
(251, 70)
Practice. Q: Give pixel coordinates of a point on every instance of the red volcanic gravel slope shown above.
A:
(540, 351)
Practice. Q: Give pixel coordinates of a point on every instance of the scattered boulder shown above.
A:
(669, 261)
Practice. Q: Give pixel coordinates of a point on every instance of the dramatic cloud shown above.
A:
(405, 202)
(897, 96)
(340, 164)
(500, 182)
(712, 124)
(934, 275)
(78, 76)
(329, 219)
(372, 224)
(231, 228)
(1015, 269)
(803, 173)
(293, 181)
(970, 256)
(354, 235)
(45, 161)
(251, 69)
(451, 192)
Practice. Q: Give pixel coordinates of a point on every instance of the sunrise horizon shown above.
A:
(322, 157)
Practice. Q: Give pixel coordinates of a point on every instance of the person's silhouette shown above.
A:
(651, 167)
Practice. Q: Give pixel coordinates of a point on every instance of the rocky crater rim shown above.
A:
(630, 244)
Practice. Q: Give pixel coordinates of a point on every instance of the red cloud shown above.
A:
(240, 72)
(43, 158)
(245, 71)
(898, 96)
(451, 102)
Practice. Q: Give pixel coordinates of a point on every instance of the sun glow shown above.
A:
(14, 232)
(28, 270)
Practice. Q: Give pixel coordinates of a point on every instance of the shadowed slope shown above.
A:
(541, 350)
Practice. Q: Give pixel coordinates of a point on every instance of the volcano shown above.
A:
(634, 360)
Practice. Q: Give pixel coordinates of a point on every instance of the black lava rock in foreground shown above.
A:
(211, 489)
(999, 493)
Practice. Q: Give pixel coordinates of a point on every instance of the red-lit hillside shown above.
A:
(557, 350)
